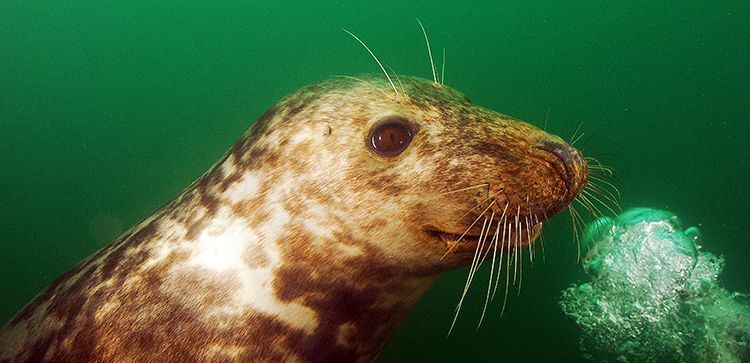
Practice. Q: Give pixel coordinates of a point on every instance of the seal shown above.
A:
(315, 234)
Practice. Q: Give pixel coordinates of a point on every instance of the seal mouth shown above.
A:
(520, 232)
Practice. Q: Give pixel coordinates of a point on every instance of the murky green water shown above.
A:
(109, 110)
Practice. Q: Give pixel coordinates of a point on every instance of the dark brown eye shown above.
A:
(391, 137)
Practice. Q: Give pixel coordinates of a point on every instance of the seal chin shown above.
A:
(511, 235)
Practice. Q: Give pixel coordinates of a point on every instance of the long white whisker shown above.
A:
(528, 234)
(520, 273)
(515, 246)
(502, 250)
(507, 275)
(376, 60)
(467, 230)
(476, 206)
(541, 238)
(528, 230)
(474, 261)
(429, 51)
(481, 247)
(442, 71)
(492, 268)
(574, 217)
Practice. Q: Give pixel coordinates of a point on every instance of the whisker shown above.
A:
(367, 83)
(480, 247)
(502, 250)
(605, 193)
(592, 159)
(475, 207)
(376, 60)
(599, 171)
(467, 230)
(468, 280)
(581, 228)
(581, 225)
(600, 167)
(544, 217)
(574, 141)
(541, 241)
(584, 197)
(401, 85)
(591, 195)
(528, 233)
(487, 252)
(520, 258)
(573, 221)
(507, 275)
(593, 179)
(585, 203)
(442, 71)
(492, 269)
(575, 133)
(515, 246)
(429, 51)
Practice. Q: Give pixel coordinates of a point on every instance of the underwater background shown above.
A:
(110, 109)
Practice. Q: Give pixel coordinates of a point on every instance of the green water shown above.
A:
(109, 109)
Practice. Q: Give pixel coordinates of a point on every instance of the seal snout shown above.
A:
(572, 167)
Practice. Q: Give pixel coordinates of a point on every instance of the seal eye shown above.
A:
(391, 137)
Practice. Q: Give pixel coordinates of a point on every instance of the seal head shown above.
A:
(458, 161)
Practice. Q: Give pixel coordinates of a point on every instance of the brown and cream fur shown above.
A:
(301, 244)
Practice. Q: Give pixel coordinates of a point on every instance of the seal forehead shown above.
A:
(347, 107)
(369, 90)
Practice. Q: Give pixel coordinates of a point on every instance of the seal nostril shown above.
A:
(570, 158)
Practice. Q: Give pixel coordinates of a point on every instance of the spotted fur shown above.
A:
(301, 244)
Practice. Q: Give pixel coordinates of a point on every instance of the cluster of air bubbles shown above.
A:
(654, 295)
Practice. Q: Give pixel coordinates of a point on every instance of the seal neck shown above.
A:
(287, 281)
